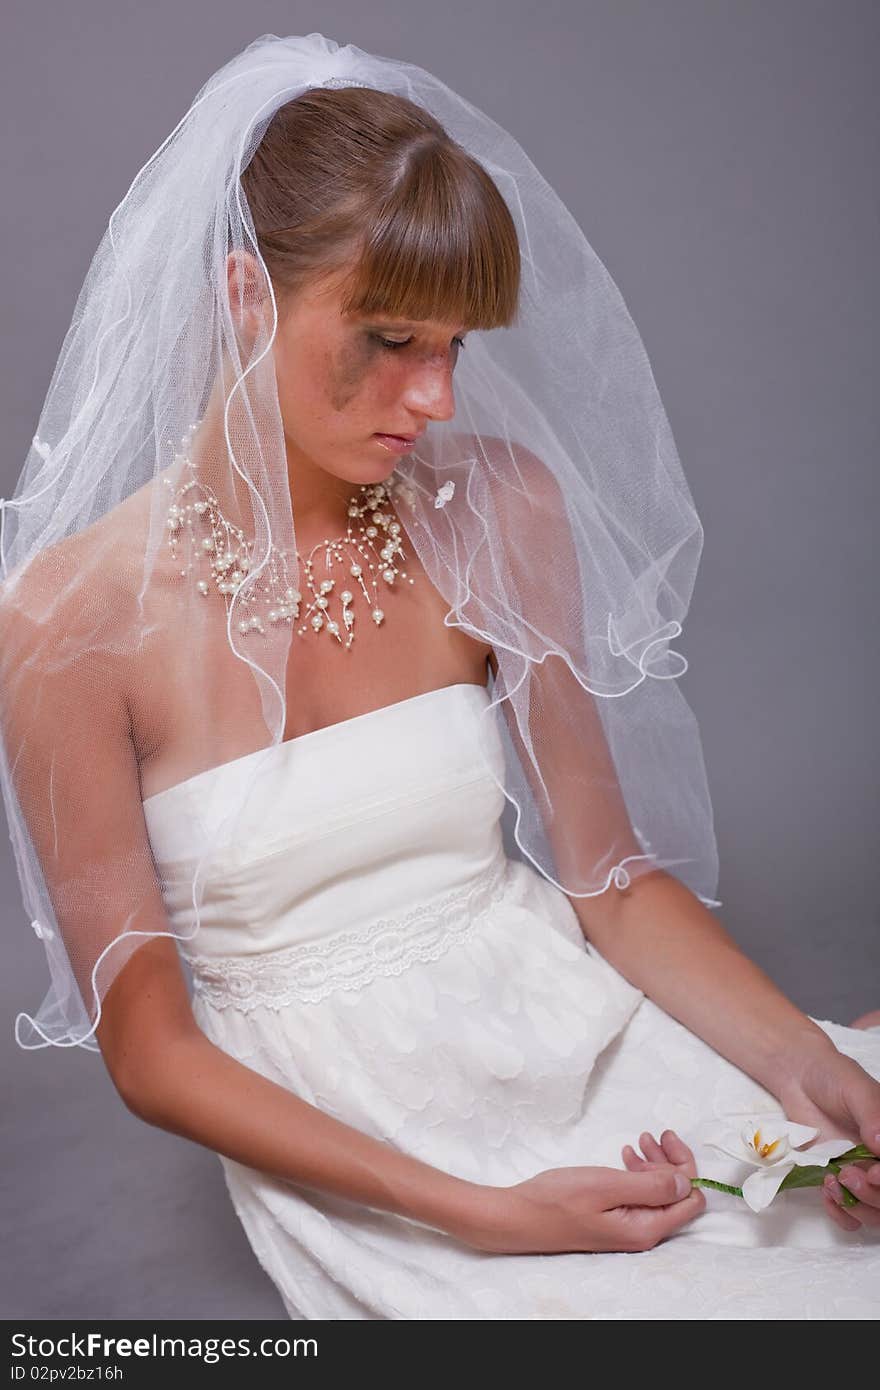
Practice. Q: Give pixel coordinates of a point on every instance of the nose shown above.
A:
(429, 391)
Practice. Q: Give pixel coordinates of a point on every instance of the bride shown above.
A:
(428, 1046)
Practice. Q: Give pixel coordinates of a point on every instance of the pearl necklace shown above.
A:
(231, 559)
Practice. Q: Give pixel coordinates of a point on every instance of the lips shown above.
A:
(397, 443)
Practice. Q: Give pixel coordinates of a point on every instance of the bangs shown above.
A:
(443, 247)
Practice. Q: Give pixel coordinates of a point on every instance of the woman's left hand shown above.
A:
(835, 1094)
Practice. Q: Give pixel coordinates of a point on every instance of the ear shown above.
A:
(247, 290)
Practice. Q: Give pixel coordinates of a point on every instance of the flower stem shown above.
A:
(718, 1186)
(812, 1175)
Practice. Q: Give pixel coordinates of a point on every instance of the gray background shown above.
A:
(718, 154)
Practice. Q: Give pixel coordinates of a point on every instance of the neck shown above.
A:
(319, 500)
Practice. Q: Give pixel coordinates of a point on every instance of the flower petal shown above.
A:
(767, 1119)
(820, 1153)
(761, 1187)
(734, 1148)
(799, 1134)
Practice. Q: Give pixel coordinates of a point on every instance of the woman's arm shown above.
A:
(171, 1075)
(656, 932)
(66, 726)
(659, 935)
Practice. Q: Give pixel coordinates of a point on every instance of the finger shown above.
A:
(837, 1214)
(868, 1217)
(674, 1146)
(634, 1162)
(651, 1149)
(856, 1180)
(677, 1151)
(653, 1187)
(873, 1174)
(659, 1222)
(862, 1214)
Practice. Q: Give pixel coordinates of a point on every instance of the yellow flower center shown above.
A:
(763, 1150)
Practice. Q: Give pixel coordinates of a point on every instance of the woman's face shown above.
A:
(342, 381)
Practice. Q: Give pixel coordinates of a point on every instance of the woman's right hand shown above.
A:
(594, 1209)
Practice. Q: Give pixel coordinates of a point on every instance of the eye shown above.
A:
(392, 343)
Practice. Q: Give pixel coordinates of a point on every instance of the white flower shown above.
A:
(771, 1143)
(444, 494)
(42, 448)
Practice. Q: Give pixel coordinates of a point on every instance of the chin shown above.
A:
(372, 465)
(383, 462)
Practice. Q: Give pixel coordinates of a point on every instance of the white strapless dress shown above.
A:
(370, 945)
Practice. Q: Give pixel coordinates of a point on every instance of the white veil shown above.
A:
(552, 515)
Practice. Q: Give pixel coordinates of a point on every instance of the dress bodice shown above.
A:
(346, 832)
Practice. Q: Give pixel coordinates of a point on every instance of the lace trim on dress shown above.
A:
(310, 971)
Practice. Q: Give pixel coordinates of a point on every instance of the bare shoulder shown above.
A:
(64, 603)
(520, 488)
(513, 471)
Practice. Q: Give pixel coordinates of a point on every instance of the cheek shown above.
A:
(357, 371)
(314, 384)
